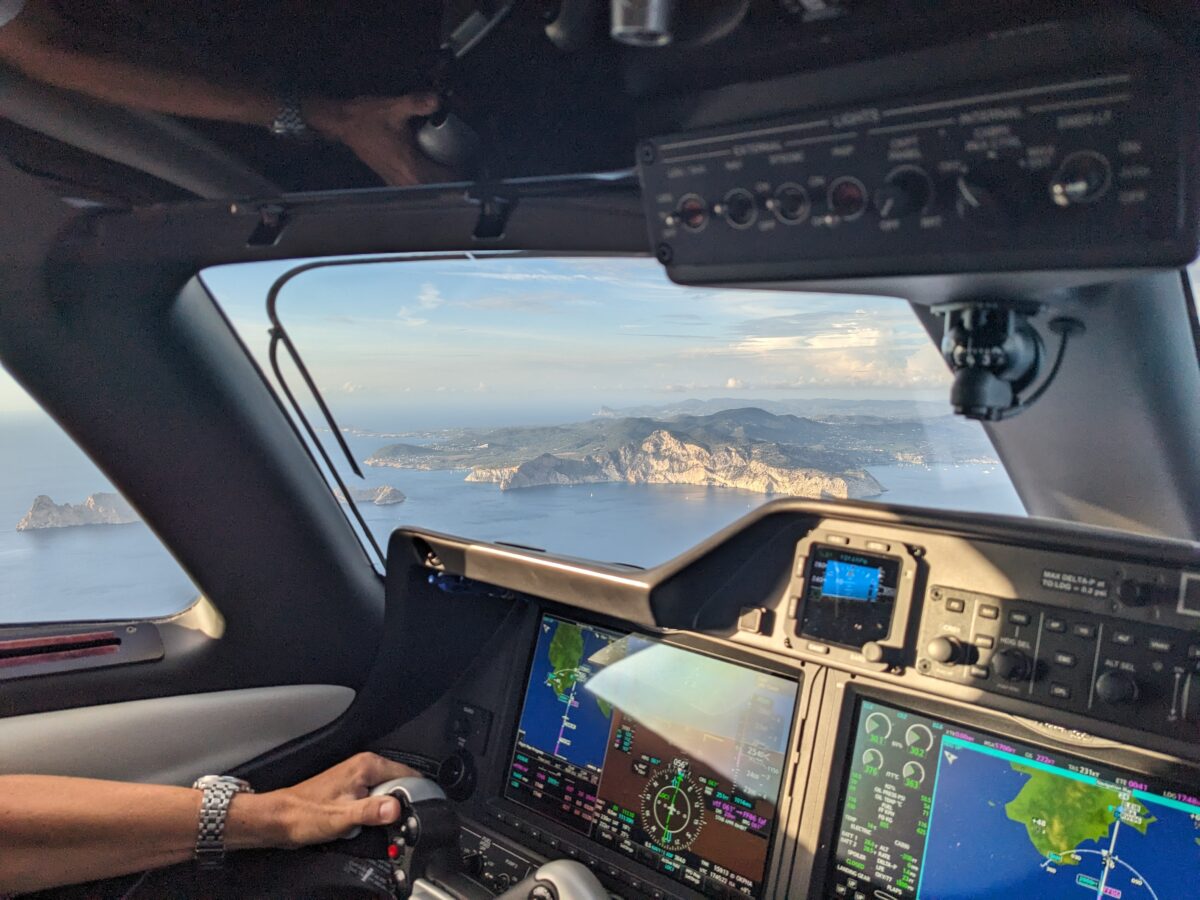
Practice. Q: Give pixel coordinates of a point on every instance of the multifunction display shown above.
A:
(935, 810)
(849, 596)
(670, 757)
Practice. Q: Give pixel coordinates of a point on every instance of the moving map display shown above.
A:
(934, 810)
(667, 756)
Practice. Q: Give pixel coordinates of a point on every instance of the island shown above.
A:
(386, 495)
(98, 509)
(748, 448)
(1059, 814)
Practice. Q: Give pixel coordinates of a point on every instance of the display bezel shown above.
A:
(1166, 773)
(807, 599)
(684, 642)
(866, 540)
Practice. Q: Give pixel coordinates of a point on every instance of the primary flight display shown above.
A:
(667, 756)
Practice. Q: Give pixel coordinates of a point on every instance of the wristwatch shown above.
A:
(219, 791)
(289, 120)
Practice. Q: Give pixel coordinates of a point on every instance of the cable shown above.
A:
(1063, 327)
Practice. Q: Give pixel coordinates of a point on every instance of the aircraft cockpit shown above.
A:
(733, 449)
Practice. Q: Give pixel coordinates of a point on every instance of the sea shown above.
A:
(123, 571)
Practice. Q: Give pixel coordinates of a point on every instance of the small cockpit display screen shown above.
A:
(849, 596)
(930, 809)
(669, 757)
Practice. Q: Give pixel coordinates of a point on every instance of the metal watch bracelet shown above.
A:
(218, 792)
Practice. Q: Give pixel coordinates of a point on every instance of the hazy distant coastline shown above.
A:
(748, 448)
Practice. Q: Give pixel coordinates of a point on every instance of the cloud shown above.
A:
(350, 387)
(406, 317)
(429, 297)
(849, 337)
(734, 384)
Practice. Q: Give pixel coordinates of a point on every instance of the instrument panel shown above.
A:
(859, 687)
(1084, 169)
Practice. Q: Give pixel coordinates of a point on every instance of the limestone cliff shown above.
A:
(98, 509)
(380, 496)
(663, 458)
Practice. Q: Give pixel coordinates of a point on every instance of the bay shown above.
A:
(122, 571)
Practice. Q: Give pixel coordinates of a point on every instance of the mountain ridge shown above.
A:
(747, 447)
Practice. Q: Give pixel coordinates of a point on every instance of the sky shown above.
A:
(499, 339)
(509, 340)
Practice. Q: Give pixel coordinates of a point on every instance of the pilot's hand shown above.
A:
(379, 131)
(329, 805)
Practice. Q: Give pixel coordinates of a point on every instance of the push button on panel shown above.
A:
(1064, 659)
(1058, 626)
(1124, 638)
(989, 612)
(1083, 630)
(1019, 618)
(955, 604)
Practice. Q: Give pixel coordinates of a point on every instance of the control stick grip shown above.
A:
(562, 879)
(412, 788)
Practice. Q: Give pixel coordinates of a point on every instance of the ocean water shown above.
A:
(122, 571)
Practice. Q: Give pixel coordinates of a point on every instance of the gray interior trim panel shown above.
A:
(167, 740)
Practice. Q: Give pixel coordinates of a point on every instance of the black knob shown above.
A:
(740, 208)
(906, 191)
(456, 775)
(1135, 593)
(993, 196)
(945, 650)
(1116, 687)
(1011, 664)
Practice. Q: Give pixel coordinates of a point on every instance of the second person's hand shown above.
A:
(379, 131)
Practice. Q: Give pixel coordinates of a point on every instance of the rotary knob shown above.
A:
(906, 191)
(993, 196)
(1011, 664)
(1116, 688)
(1135, 593)
(946, 651)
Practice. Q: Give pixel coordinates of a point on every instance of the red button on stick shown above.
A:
(393, 851)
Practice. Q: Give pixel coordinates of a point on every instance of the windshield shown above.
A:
(590, 407)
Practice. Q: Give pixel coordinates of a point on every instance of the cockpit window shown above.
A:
(590, 407)
(71, 547)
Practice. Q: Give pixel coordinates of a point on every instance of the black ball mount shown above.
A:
(996, 355)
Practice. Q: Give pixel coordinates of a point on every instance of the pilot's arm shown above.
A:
(56, 831)
(375, 128)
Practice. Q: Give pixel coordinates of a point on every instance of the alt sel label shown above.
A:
(1074, 583)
